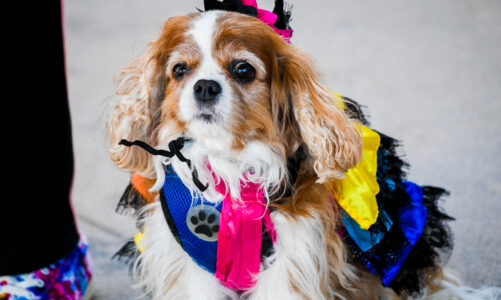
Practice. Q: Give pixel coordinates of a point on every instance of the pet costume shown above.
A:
(392, 226)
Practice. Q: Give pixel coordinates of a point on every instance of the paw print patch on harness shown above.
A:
(203, 222)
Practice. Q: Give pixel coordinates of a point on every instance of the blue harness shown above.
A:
(193, 221)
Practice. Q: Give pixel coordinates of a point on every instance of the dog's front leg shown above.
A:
(166, 271)
(298, 269)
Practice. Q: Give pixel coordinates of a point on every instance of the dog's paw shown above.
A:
(203, 222)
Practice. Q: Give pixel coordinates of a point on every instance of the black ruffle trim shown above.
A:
(435, 244)
(131, 202)
(430, 252)
(436, 240)
(284, 14)
(128, 253)
(354, 110)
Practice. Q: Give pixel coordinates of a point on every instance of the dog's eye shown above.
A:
(243, 72)
(179, 71)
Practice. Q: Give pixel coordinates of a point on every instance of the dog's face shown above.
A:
(229, 81)
(218, 80)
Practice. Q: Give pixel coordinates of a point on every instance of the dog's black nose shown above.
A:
(207, 90)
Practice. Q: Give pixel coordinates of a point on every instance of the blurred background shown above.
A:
(429, 73)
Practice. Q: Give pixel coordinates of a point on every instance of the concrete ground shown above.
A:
(429, 72)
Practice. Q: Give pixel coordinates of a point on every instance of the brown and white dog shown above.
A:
(247, 100)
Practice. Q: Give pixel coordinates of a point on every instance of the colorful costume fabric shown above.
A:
(66, 279)
(410, 234)
(391, 225)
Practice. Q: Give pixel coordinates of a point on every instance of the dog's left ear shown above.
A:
(331, 138)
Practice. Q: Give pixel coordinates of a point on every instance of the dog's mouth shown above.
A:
(206, 117)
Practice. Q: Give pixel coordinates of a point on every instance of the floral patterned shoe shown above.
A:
(67, 279)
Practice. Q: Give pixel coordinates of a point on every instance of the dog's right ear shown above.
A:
(140, 88)
(141, 84)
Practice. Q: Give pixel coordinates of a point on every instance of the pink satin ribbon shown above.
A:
(241, 221)
(269, 18)
(240, 236)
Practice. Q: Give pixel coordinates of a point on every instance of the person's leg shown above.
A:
(39, 239)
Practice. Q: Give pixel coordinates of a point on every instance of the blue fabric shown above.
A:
(365, 239)
(413, 216)
(179, 201)
(391, 184)
(411, 221)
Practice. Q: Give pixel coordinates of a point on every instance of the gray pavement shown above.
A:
(429, 72)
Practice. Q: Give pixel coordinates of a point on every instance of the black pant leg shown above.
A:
(37, 225)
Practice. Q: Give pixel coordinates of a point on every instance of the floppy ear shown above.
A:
(140, 88)
(331, 138)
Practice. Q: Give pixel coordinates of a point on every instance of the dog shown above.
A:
(229, 102)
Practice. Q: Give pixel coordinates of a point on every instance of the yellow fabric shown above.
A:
(339, 102)
(356, 193)
(137, 239)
